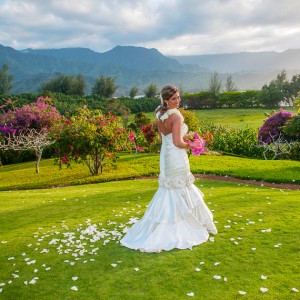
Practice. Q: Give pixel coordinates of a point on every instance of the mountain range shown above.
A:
(137, 66)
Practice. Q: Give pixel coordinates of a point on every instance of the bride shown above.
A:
(177, 216)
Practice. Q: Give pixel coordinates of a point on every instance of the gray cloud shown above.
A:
(175, 27)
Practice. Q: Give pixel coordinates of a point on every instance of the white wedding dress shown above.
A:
(177, 216)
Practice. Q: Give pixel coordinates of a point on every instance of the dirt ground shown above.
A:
(286, 186)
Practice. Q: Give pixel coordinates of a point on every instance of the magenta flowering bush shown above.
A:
(195, 141)
(273, 126)
(28, 127)
(39, 116)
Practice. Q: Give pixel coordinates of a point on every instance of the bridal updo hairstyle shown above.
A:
(166, 93)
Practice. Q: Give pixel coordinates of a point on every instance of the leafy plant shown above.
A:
(273, 126)
(90, 137)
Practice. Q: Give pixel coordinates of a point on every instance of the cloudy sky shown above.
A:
(174, 27)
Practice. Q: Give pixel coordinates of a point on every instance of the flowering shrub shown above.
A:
(273, 126)
(39, 116)
(91, 137)
(28, 127)
(149, 132)
(196, 141)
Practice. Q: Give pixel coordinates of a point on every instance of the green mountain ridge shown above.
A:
(138, 66)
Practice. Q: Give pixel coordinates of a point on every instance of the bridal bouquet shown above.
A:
(195, 141)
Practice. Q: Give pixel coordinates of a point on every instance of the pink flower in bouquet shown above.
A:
(196, 142)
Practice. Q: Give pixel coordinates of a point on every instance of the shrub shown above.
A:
(273, 126)
(292, 127)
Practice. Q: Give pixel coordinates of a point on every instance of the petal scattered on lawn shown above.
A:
(74, 278)
(201, 263)
(266, 230)
(190, 294)
(32, 281)
(253, 249)
(295, 290)
(197, 270)
(263, 289)
(216, 263)
(263, 277)
(225, 278)
(114, 265)
(242, 293)
(74, 288)
(10, 258)
(217, 277)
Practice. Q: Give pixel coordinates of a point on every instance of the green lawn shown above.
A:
(45, 249)
(237, 118)
(233, 117)
(23, 176)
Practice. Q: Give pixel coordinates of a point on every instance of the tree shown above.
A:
(65, 84)
(28, 127)
(230, 85)
(151, 91)
(104, 87)
(270, 95)
(5, 80)
(215, 84)
(90, 137)
(133, 92)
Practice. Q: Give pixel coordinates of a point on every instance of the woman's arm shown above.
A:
(176, 125)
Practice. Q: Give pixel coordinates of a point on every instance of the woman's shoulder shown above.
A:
(171, 113)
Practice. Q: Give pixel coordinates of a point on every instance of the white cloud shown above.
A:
(174, 27)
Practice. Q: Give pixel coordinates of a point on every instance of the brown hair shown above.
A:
(166, 93)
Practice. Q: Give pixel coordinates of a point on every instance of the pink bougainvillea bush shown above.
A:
(273, 126)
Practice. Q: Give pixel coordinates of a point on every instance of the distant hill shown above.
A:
(245, 61)
(138, 66)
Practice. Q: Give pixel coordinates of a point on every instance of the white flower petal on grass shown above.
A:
(74, 288)
(295, 290)
(2, 284)
(225, 278)
(201, 263)
(263, 277)
(263, 289)
(197, 270)
(242, 293)
(32, 281)
(190, 294)
(1, 291)
(253, 249)
(266, 230)
(216, 263)
(136, 269)
(26, 282)
(114, 265)
(218, 277)
(10, 258)
(35, 270)
(74, 278)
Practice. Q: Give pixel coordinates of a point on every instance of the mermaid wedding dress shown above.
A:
(177, 216)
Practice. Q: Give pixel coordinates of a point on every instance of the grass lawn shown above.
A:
(233, 117)
(46, 251)
(237, 118)
(23, 176)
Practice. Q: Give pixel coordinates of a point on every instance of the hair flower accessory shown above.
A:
(196, 142)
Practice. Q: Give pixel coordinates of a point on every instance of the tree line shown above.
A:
(67, 89)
